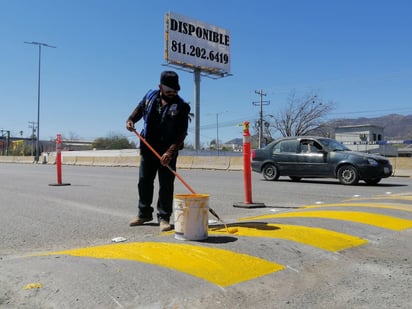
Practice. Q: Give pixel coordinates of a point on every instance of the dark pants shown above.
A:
(149, 167)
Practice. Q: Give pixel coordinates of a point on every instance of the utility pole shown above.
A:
(261, 103)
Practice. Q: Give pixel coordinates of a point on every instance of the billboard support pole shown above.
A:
(197, 107)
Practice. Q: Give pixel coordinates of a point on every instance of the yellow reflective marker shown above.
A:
(382, 221)
(317, 237)
(218, 266)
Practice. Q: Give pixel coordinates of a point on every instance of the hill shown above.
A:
(395, 126)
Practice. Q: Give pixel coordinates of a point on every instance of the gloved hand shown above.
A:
(130, 125)
(170, 153)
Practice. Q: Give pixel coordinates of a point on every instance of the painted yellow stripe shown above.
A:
(312, 236)
(371, 205)
(384, 197)
(382, 221)
(221, 267)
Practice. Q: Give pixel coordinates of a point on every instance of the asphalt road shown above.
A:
(315, 244)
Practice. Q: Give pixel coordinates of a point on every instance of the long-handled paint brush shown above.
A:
(173, 171)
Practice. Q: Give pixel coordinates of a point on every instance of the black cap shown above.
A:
(170, 79)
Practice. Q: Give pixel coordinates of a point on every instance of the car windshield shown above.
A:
(333, 145)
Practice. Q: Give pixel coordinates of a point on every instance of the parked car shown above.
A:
(318, 157)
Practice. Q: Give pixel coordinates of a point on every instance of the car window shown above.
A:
(309, 146)
(315, 147)
(304, 147)
(289, 146)
(333, 145)
(276, 148)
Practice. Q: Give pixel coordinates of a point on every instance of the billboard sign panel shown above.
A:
(192, 43)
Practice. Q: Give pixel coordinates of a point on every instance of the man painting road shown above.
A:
(166, 117)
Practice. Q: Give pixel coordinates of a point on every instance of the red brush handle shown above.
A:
(159, 157)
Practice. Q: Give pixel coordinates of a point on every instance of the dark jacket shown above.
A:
(164, 128)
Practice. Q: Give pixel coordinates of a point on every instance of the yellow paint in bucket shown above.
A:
(191, 216)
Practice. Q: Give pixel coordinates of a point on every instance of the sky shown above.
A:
(109, 53)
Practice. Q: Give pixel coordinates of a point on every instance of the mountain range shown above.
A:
(395, 126)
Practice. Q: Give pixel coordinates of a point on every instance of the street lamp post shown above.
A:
(39, 44)
(217, 131)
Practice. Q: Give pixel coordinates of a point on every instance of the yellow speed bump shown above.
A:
(400, 197)
(221, 267)
(382, 221)
(370, 205)
(317, 237)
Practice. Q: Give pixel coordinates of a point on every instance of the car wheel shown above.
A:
(348, 175)
(270, 172)
(372, 181)
(294, 178)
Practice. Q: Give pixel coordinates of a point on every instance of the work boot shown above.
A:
(139, 221)
(164, 225)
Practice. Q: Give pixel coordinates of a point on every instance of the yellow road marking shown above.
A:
(221, 267)
(30, 286)
(312, 236)
(372, 205)
(385, 197)
(382, 221)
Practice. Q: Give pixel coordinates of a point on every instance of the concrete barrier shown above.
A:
(17, 159)
(236, 164)
(87, 161)
(51, 159)
(25, 159)
(8, 159)
(401, 166)
(133, 161)
(217, 163)
(184, 162)
(69, 160)
(103, 161)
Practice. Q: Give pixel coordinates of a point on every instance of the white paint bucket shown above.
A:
(191, 216)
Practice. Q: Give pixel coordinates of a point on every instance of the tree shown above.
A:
(73, 136)
(213, 144)
(302, 116)
(113, 142)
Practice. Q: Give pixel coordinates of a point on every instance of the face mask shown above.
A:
(169, 99)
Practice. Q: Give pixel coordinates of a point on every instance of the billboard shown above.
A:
(194, 44)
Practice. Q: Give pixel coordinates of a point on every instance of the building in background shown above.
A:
(365, 138)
